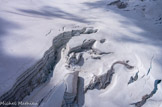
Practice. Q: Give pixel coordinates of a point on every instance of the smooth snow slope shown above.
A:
(27, 28)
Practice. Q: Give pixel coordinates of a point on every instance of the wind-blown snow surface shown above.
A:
(27, 28)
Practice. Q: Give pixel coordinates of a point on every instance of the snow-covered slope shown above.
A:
(91, 53)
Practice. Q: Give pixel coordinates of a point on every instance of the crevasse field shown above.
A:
(81, 53)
